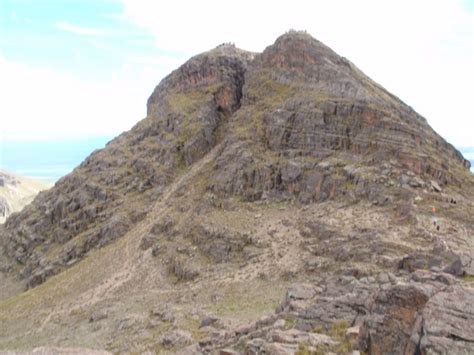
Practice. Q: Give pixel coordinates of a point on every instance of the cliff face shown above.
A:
(250, 172)
(303, 105)
(113, 189)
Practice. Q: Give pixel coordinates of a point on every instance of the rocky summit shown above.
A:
(270, 203)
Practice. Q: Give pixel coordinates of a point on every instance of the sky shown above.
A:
(72, 69)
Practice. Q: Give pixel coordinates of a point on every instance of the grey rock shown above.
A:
(176, 339)
(279, 324)
(462, 265)
(228, 352)
(209, 321)
(163, 313)
(425, 316)
(183, 268)
(435, 186)
(279, 348)
(99, 315)
(294, 336)
(448, 322)
(147, 242)
(383, 278)
(300, 292)
(290, 172)
(416, 182)
(254, 346)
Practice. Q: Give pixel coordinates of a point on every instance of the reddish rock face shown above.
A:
(395, 316)
(298, 52)
(419, 319)
(302, 106)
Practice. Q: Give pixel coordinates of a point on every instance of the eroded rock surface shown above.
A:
(421, 313)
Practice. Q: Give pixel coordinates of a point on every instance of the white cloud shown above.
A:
(40, 103)
(78, 30)
(420, 50)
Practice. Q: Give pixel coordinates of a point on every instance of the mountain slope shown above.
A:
(16, 192)
(250, 173)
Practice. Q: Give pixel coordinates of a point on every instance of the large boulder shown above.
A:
(420, 318)
(448, 322)
(393, 325)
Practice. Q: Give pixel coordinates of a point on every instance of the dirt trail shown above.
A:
(131, 241)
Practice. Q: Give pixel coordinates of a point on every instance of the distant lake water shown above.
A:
(47, 160)
(50, 160)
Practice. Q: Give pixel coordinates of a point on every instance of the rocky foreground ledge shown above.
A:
(419, 313)
(423, 312)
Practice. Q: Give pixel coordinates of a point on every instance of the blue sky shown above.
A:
(75, 68)
(90, 38)
(78, 68)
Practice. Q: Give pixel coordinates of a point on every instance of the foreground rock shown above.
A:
(422, 313)
(447, 322)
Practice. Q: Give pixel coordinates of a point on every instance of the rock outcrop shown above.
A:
(113, 189)
(422, 313)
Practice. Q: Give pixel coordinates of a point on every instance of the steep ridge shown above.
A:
(113, 188)
(301, 100)
(250, 173)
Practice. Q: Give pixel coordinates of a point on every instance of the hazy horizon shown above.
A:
(47, 160)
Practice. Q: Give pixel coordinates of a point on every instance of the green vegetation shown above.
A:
(337, 332)
(319, 329)
(303, 349)
(188, 105)
(468, 279)
(290, 323)
(187, 102)
(249, 299)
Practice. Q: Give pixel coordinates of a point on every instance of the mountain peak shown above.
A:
(301, 38)
(218, 70)
(296, 35)
(298, 49)
(250, 172)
